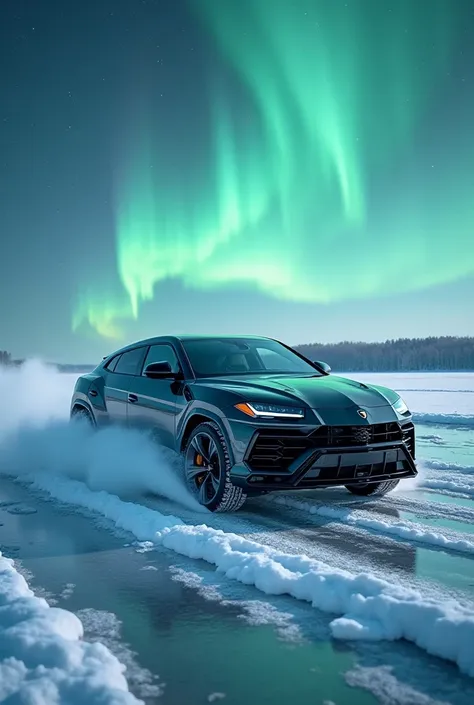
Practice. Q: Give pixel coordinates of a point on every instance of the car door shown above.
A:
(154, 403)
(120, 373)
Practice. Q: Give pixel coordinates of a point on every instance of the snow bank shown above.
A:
(432, 438)
(370, 608)
(142, 522)
(410, 531)
(456, 488)
(42, 656)
(455, 467)
(445, 481)
(449, 419)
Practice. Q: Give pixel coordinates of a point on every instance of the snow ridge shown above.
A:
(42, 655)
(369, 607)
(454, 467)
(445, 419)
(451, 487)
(429, 509)
(407, 530)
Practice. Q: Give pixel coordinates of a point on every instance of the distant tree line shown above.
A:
(402, 355)
(5, 358)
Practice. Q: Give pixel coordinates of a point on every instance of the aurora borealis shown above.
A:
(334, 92)
(302, 154)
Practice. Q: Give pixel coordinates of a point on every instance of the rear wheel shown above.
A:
(373, 488)
(79, 413)
(207, 470)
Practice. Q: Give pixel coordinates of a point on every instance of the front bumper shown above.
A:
(284, 462)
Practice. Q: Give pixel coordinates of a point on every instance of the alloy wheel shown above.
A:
(203, 467)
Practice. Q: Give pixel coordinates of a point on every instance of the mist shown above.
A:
(36, 436)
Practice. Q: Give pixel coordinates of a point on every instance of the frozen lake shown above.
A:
(246, 607)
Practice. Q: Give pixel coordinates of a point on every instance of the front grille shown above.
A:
(336, 436)
(276, 452)
(273, 450)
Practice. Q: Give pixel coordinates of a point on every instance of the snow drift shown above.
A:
(42, 656)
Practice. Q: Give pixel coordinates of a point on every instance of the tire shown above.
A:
(79, 413)
(212, 485)
(372, 489)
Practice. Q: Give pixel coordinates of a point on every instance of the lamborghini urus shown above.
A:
(251, 415)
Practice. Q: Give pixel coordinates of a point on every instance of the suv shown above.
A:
(251, 415)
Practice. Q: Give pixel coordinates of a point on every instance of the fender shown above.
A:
(85, 405)
(212, 415)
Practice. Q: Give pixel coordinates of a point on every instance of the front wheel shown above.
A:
(207, 470)
(373, 488)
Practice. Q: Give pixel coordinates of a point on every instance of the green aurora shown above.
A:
(294, 198)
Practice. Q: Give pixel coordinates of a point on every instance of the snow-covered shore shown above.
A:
(43, 658)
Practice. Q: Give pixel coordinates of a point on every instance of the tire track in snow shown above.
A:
(449, 487)
(406, 530)
(429, 509)
(452, 479)
(443, 466)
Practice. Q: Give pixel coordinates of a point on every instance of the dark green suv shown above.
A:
(251, 415)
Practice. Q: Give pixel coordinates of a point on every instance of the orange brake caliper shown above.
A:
(199, 461)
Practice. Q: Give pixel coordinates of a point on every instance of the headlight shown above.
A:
(270, 411)
(400, 406)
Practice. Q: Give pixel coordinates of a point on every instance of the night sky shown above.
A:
(302, 169)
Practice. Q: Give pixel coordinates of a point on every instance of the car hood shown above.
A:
(328, 392)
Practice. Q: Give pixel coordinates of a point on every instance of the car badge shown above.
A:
(362, 413)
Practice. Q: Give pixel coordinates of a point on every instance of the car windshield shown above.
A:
(214, 357)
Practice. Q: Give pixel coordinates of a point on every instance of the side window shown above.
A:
(162, 353)
(130, 362)
(112, 364)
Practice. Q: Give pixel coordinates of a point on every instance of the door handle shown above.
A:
(92, 393)
(132, 398)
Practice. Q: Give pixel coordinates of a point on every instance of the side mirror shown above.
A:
(323, 366)
(159, 370)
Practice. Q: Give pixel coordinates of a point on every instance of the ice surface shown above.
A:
(42, 656)
(444, 396)
(370, 608)
(387, 688)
